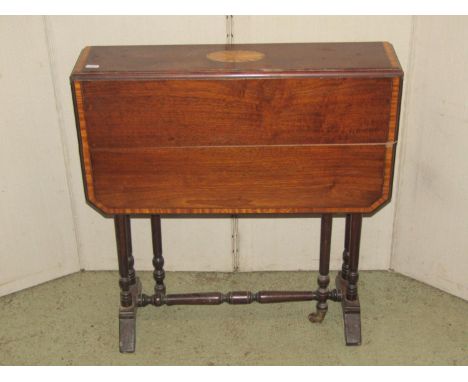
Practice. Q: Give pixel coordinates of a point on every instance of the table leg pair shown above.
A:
(130, 285)
(131, 296)
(346, 280)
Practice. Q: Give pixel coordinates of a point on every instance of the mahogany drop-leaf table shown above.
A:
(303, 128)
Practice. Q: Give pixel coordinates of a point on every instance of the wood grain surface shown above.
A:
(280, 60)
(237, 112)
(199, 138)
(239, 179)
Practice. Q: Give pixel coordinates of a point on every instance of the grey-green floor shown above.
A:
(73, 321)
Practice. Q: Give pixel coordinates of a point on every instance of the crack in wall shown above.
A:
(234, 218)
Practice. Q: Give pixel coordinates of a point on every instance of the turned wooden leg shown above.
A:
(345, 266)
(348, 285)
(131, 261)
(158, 259)
(129, 287)
(355, 239)
(324, 268)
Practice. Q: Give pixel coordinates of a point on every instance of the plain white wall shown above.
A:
(48, 230)
(37, 237)
(431, 227)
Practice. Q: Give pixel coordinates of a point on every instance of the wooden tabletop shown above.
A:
(296, 59)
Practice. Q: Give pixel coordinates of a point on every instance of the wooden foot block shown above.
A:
(352, 324)
(127, 329)
(351, 315)
(127, 321)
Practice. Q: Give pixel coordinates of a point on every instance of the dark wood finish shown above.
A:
(270, 297)
(190, 61)
(354, 242)
(235, 298)
(122, 224)
(238, 129)
(144, 114)
(324, 269)
(290, 115)
(261, 179)
(346, 281)
(345, 266)
(127, 320)
(130, 286)
(351, 313)
(243, 297)
(131, 260)
(158, 259)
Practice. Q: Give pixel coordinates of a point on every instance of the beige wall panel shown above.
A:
(431, 236)
(294, 243)
(189, 244)
(37, 240)
(259, 248)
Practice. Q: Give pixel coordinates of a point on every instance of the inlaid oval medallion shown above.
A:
(235, 55)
